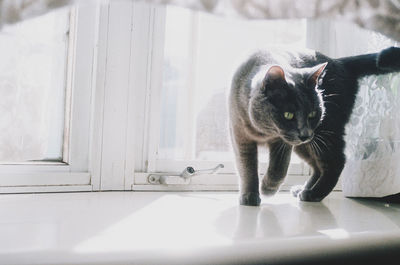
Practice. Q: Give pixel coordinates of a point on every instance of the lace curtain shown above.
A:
(373, 134)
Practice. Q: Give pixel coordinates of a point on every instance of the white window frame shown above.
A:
(152, 21)
(73, 174)
(102, 117)
(115, 61)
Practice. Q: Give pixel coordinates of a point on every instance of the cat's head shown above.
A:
(288, 103)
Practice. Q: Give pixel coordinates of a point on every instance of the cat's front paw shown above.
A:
(268, 190)
(309, 196)
(250, 199)
(295, 190)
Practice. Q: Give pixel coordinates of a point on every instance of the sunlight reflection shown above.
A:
(337, 233)
(283, 198)
(160, 226)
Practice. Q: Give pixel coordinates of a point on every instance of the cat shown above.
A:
(300, 101)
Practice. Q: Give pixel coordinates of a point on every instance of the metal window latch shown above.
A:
(182, 178)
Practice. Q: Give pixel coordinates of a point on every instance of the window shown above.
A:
(199, 53)
(188, 122)
(33, 74)
(46, 102)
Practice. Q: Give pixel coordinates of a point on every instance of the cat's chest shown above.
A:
(257, 136)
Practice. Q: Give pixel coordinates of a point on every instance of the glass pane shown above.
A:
(200, 53)
(32, 88)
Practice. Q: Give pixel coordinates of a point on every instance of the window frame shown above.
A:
(73, 173)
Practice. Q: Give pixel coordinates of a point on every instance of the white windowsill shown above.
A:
(187, 228)
(212, 182)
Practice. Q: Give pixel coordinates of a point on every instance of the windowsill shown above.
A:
(190, 228)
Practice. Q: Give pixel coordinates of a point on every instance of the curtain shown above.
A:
(378, 15)
(373, 140)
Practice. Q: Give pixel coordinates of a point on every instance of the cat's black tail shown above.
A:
(386, 61)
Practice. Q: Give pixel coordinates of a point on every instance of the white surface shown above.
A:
(186, 228)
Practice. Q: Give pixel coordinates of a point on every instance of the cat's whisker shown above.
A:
(312, 145)
(282, 149)
(316, 150)
(281, 156)
(278, 154)
(328, 132)
(318, 147)
(278, 151)
(321, 140)
(331, 95)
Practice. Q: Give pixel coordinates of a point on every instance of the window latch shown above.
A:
(180, 178)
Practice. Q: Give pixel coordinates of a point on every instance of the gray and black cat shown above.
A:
(297, 101)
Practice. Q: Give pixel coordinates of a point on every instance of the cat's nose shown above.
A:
(304, 138)
(305, 135)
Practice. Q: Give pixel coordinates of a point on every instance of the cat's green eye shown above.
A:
(288, 115)
(312, 114)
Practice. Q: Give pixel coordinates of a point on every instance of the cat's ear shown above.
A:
(274, 76)
(275, 73)
(316, 72)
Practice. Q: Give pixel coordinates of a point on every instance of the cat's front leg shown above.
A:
(297, 189)
(279, 159)
(246, 162)
(330, 172)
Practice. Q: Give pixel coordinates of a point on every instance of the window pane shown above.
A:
(200, 53)
(32, 88)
